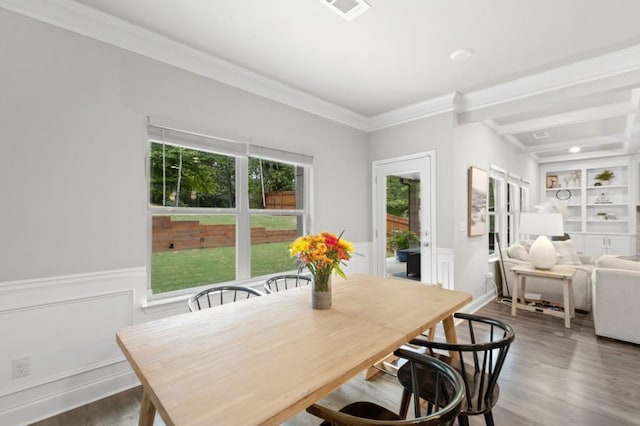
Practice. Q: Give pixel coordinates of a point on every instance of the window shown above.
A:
(495, 206)
(508, 196)
(221, 211)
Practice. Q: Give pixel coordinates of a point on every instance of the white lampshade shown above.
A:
(542, 254)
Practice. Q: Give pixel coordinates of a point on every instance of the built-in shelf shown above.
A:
(575, 193)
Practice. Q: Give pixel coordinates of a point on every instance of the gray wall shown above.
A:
(428, 134)
(74, 230)
(478, 145)
(72, 159)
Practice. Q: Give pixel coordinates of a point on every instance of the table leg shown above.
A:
(450, 333)
(572, 299)
(147, 410)
(514, 298)
(568, 303)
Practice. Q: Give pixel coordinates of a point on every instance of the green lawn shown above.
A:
(175, 270)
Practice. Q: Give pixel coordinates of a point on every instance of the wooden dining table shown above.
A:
(265, 359)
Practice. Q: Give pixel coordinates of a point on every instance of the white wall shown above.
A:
(478, 145)
(73, 228)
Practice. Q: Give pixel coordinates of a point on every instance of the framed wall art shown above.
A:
(478, 187)
(552, 182)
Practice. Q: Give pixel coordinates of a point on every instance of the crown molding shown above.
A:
(434, 106)
(92, 23)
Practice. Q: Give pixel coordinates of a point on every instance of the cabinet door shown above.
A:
(619, 244)
(595, 245)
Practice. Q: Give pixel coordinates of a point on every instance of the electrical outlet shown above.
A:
(20, 367)
(488, 280)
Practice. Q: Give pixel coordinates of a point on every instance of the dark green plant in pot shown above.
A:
(401, 240)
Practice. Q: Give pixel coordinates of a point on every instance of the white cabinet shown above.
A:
(601, 212)
(597, 245)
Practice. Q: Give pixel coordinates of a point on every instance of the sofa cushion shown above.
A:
(526, 244)
(517, 251)
(617, 262)
(567, 254)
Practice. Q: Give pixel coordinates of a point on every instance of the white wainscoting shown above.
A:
(66, 327)
(445, 260)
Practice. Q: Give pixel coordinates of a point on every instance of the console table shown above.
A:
(563, 275)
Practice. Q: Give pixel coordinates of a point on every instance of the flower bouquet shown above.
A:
(322, 254)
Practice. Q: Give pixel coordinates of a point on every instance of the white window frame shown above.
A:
(507, 215)
(241, 152)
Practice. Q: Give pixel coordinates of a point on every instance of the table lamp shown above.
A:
(542, 254)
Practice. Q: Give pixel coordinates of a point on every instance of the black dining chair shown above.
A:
(215, 296)
(479, 361)
(285, 282)
(448, 396)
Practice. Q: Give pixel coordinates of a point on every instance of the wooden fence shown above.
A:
(282, 200)
(396, 222)
(190, 234)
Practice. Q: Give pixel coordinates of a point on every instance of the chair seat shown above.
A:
(472, 406)
(367, 410)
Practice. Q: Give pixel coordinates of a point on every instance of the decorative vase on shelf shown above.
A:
(321, 292)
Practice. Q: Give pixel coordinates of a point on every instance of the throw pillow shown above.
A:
(567, 254)
(526, 244)
(517, 251)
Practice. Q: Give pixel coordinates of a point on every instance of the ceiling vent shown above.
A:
(540, 135)
(348, 9)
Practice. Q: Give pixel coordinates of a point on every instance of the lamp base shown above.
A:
(542, 254)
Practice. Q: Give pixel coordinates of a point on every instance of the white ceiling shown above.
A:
(565, 67)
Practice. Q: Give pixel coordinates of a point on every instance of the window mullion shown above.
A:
(243, 226)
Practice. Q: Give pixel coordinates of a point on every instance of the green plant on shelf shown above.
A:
(605, 175)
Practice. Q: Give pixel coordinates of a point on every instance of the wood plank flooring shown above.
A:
(553, 376)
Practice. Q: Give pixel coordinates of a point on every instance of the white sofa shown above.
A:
(616, 296)
(549, 290)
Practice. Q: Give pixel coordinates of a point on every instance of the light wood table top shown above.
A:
(263, 360)
(558, 271)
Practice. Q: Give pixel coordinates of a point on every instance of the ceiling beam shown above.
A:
(583, 156)
(583, 143)
(567, 118)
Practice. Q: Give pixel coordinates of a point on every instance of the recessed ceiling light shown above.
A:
(461, 54)
(574, 149)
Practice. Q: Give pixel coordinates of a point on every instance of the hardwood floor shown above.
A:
(553, 376)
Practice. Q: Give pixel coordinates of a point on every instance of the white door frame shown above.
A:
(424, 164)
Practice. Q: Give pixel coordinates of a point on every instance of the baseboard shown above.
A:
(68, 399)
(478, 303)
